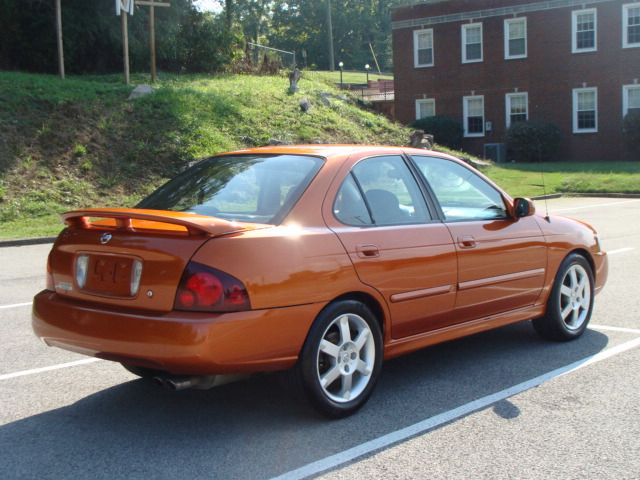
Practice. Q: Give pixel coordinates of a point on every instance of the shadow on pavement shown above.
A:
(255, 430)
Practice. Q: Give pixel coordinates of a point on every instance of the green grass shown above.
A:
(526, 180)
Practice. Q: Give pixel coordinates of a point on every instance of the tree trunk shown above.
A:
(228, 7)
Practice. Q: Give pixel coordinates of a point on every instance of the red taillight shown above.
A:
(206, 289)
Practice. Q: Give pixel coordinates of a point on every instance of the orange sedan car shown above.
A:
(322, 260)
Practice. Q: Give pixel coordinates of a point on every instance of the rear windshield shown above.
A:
(245, 188)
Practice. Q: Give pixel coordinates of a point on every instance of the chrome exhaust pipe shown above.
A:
(182, 383)
(202, 382)
(159, 381)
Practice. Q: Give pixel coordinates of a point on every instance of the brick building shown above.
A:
(574, 63)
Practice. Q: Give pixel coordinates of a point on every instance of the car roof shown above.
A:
(333, 151)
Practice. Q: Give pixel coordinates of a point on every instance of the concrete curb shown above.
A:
(604, 195)
(587, 195)
(547, 197)
(20, 242)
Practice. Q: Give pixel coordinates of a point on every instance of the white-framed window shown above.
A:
(473, 111)
(423, 48)
(515, 38)
(425, 107)
(630, 99)
(472, 42)
(585, 110)
(517, 107)
(584, 30)
(631, 25)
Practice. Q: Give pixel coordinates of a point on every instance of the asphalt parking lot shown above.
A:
(502, 404)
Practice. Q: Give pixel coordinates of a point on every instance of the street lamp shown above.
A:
(367, 67)
(340, 65)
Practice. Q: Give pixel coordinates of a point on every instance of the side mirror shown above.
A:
(523, 207)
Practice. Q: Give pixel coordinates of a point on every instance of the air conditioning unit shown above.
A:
(496, 152)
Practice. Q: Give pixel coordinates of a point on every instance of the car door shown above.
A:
(380, 214)
(501, 259)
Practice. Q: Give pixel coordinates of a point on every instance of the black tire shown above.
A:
(141, 372)
(335, 399)
(567, 295)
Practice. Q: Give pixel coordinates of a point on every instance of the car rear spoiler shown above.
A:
(133, 219)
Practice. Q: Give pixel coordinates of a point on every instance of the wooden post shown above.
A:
(374, 58)
(152, 30)
(125, 45)
(332, 66)
(152, 41)
(59, 39)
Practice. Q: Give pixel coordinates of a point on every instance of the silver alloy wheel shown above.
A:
(346, 357)
(575, 297)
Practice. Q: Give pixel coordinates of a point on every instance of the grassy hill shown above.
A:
(80, 142)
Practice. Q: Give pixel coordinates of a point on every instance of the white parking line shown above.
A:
(597, 205)
(15, 305)
(615, 329)
(384, 441)
(620, 250)
(33, 371)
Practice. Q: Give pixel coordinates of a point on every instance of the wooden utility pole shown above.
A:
(152, 41)
(125, 45)
(59, 39)
(152, 31)
(330, 34)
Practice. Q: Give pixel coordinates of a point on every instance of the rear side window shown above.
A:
(350, 207)
(461, 193)
(246, 188)
(380, 191)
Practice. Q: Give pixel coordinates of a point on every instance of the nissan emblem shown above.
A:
(105, 238)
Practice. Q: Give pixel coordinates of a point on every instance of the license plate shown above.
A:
(109, 275)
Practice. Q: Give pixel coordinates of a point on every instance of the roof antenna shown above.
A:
(544, 193)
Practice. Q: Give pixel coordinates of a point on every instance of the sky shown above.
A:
(208, 5)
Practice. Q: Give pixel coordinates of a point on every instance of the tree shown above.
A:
(186, 38)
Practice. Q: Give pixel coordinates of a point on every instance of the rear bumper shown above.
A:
(176, 342)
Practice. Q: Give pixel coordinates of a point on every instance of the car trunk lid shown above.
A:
(131, 258)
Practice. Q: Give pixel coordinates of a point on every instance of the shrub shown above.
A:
(204, 45)
(631, 133)
(532, 141)
(446, 131)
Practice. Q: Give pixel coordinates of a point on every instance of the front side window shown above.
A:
(517, 108)
(583, 30)
(473, 110)
(631, 25)
(246, 188)
(472, 43)
(380, 191)
(425, 107)
(630, 99)
(515, 38)
(423, 48)
(461, 193)
(585, 110)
